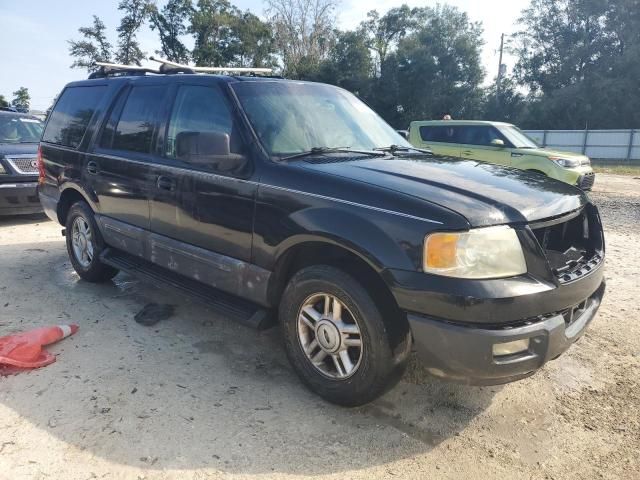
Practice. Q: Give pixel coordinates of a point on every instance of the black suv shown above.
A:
(19, 137)
(263, 195)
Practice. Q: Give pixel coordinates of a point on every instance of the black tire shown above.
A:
(95, 271)
(377, 371)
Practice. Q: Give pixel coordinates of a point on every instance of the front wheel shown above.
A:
(84, 245)
(335, 337)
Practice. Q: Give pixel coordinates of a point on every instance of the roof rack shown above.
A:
(168, 66)
(107, 69)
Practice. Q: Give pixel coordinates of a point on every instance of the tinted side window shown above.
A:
(201, 128)
(443, 134)
(72, 113)
(138, 120)
(479, 135)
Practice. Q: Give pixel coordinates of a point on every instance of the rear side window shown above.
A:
(72, 113)
(138, 120)
(442, 134)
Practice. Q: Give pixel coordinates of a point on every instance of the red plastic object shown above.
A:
(24, 350)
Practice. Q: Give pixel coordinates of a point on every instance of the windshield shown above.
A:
(517, 137)
(16, 129)
(291, 117)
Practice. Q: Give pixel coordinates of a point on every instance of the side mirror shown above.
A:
(496, 142)
(196, 147)
(404, 134)
(208, 148)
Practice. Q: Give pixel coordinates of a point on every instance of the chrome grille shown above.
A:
(23, 164)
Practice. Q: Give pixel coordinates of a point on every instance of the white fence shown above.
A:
(607, 145)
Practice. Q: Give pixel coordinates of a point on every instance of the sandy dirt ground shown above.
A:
(198, 397)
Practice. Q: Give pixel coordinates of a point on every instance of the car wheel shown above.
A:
(84, 245)
(335, 337)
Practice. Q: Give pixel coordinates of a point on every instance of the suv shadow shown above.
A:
(7, 220)
(196, 391)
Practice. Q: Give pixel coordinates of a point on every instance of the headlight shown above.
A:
(492, 252)
(566, 162)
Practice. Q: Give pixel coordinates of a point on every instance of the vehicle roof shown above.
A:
(177, 78)
(458, 122)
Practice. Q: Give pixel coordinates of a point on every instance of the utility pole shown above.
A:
(500, 70)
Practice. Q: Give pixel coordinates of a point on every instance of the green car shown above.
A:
(500, 143)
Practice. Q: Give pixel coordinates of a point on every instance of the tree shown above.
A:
(349, 64)
(580, 60)
(3, 102)
(255, 46)
(510, 106)
(212, 26)
(225, 36)
(21, 99)
(434, 70)
(93, 48)
(383, 32)
(170, 24)
(304, 32)
(135, 14)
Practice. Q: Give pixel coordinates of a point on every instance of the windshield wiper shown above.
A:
(322, 150)
(393, 149)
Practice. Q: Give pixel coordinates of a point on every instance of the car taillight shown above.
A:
(41, 173)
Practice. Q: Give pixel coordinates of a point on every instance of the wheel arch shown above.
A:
(323, 251)
(70, 195)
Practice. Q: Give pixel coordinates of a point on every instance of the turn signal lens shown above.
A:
(441, 250)
(41, 171)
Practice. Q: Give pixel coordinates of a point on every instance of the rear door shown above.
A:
(476, 144)
(120, 166)
(65, 137)
(440, 139)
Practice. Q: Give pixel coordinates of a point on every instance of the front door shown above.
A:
(477, 144)
(202, 209)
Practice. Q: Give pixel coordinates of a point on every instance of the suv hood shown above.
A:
(485, 194)
(547, 152)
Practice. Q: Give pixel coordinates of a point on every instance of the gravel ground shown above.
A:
(197, 397)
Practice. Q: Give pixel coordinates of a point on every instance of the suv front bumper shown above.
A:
(465, 353)
(19, 198)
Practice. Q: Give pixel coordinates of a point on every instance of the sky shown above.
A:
(34, 35)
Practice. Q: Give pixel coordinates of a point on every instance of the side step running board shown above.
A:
(229, 306)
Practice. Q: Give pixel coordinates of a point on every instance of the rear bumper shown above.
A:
(49, 205)
(19, 198)
(465, 353)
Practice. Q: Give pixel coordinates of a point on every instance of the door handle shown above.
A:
(92, 168)
(166, 183)
(467, 152)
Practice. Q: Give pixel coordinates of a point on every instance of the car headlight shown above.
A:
(491, 252)
(566, 162)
